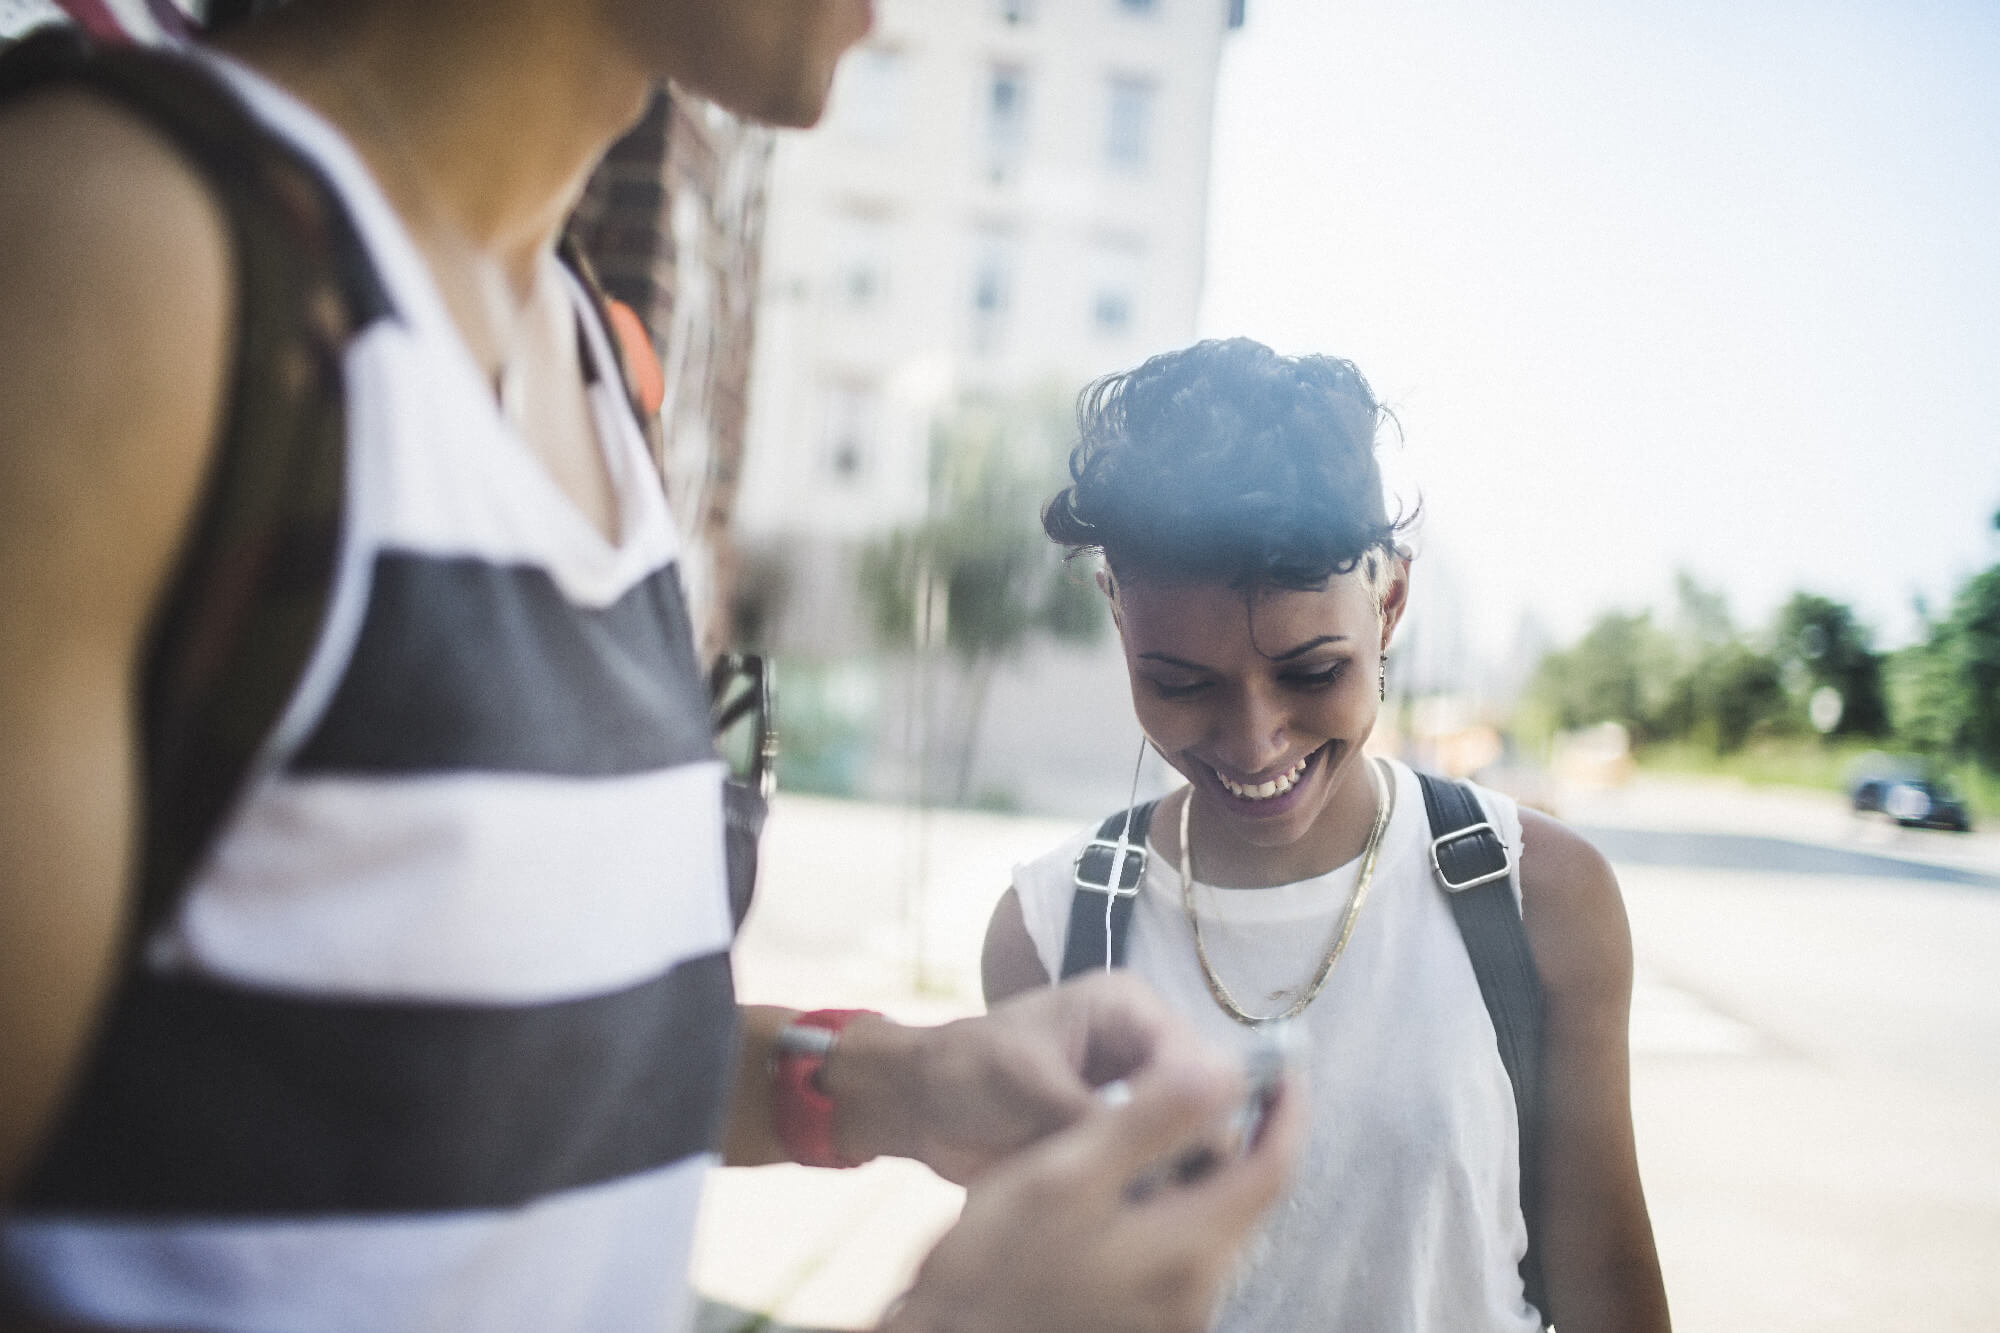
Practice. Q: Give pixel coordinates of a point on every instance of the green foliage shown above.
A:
(1976, 616)
(1819, 641)
(1946, 690)
(1927, 695)
(978, 566)
(1739, 693)
(1700, 681)
(977, 575)
(1615, 673)
(1704, 689)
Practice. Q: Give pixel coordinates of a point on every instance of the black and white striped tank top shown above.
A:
(439, 1034)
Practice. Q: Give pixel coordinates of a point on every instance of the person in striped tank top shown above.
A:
(433, 1027)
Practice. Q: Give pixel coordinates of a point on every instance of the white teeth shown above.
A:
(1264, 791)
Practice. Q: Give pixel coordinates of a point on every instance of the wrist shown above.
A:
(870, 1080)
(802, 1091)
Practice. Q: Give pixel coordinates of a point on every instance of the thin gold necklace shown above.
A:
(1384, 800)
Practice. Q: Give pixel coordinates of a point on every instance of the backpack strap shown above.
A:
(1474, 870)
(1107, 875)
(246, 599)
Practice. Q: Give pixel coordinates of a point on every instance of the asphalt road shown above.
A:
(1820, 1129)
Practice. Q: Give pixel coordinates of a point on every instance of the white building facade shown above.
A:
(1006, 197)
(1006, 194)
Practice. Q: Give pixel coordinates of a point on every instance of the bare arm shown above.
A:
(963, 1096)
(1008, 964)
(114, 325)
(1599, 1262)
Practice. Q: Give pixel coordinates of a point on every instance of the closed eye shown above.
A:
(1316, 680)
(1177, 689)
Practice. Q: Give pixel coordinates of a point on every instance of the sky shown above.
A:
(1712, 286)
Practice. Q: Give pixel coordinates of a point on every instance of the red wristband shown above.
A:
(801, 1110)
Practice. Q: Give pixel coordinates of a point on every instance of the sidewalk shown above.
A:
(858, 906)
(1795, 1185)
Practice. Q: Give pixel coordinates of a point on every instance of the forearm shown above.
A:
(870, 1076)
(1602, 1268)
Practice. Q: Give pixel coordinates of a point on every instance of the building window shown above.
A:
(860, 276)
(1129, 123)
(1006, 116)
(1115, 283)
(850, 425)
(868, 95)
(993, 278)
(1112, 312)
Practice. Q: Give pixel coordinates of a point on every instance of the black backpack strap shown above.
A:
(1106, 879)
(1473, 868)
(246, 600)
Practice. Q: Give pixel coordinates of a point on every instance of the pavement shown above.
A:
(1816, 1053)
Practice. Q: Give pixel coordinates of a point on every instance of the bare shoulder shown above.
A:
(116, 305)
(113, 243)
(1009, 964)
(1573, 910)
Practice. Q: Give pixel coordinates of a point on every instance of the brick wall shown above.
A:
(674, 222)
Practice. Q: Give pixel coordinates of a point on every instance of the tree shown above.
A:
(1614, 673)
(1818, 640)
(1702, 681)
(977, 576)
(1947, 688)
(1976, 624)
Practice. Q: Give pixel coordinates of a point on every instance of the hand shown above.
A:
(1052, 1240)
(965, 1095)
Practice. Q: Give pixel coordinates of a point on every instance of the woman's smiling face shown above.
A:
(1262, 701)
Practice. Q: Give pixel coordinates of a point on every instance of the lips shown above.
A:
(1264, 791)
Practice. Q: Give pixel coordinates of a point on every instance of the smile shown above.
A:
(1265, 791)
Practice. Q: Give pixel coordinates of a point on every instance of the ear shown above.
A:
(1108, 585)
(1395, 597)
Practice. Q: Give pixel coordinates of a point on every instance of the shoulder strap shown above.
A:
(1107, 876)
(245, 602)
(1472, 866)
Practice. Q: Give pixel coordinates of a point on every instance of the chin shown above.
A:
(799, 110)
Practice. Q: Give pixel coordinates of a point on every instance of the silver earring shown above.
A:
(1382, 680)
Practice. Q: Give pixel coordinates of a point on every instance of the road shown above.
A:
(1816, 1036)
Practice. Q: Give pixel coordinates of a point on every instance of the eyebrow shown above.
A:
(1168, 659)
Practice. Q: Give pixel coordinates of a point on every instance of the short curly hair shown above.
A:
(1227, 460)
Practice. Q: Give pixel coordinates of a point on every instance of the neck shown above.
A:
(496, 111)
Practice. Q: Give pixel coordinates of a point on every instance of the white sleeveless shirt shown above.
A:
(1404, 1214)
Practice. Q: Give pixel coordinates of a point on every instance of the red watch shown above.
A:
(801, 1110)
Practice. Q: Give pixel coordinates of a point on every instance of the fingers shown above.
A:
(1172, 1111)
(1042, 1075)
(1227, 1202)
(1125, 1027)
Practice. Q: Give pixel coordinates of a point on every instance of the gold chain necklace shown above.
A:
(1384, 801)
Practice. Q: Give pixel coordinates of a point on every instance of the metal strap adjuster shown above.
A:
(1470, 831)
(1115, 868)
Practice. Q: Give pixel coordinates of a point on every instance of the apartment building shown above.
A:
(1006, 194)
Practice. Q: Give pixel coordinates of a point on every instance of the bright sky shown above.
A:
(1713, 284)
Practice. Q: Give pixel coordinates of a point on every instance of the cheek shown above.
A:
(1345, 713)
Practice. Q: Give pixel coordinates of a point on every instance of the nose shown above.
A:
(1252, 735)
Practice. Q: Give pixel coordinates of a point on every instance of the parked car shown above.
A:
(1912, 802)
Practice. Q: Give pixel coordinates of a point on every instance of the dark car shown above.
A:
(1912, 802)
